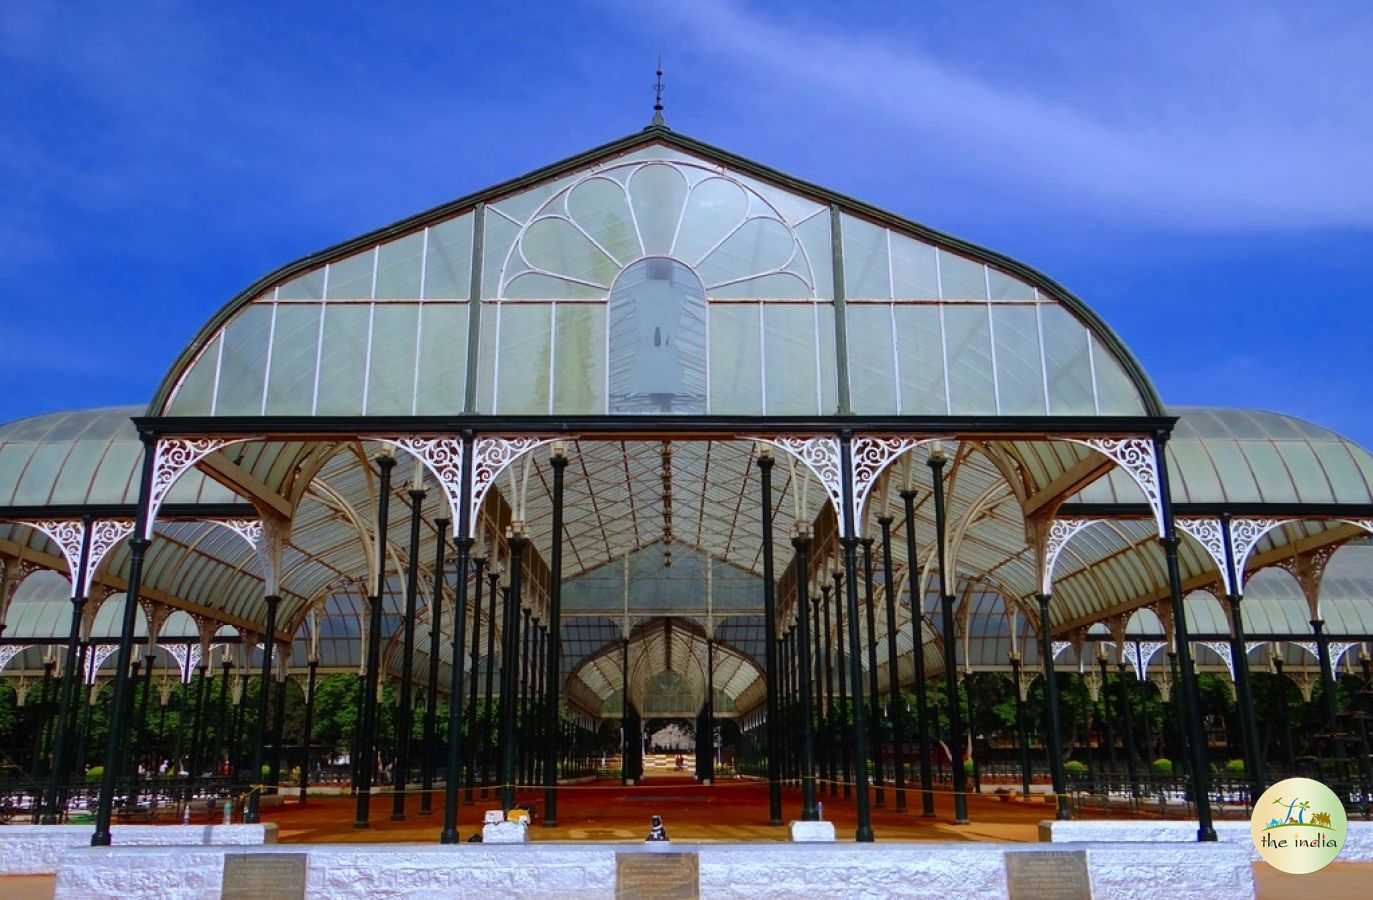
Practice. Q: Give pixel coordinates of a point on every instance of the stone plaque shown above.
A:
(258, 876)
(661, 876)
(1048, 875)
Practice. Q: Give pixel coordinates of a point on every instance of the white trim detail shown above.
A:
(1221, 649)
(870, 457)
(1245, 534)
(1143, 654)
(1061, 531)
(96, 658)
(490, 457)
(443, 458)
(9, 653)
(820, 454)
(66, 534)
(1206, 531)
(171, 458)
(1059, 647)
(1136, 457)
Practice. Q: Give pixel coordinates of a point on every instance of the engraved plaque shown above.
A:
(258, 876)
(1048, 875)
(661, 876)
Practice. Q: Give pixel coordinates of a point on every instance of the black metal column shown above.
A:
(510, 667)
(553, 672)
(404, 711)
(801, 542)
(430, 756)
(367, 739)
(1125, 685)
(922, 716)
(1196, 740)
(842, 734)
(823, 656)
(876, 711)
(773, 675)
(896, 703)
(250, 815)
(462, 529)
(70, 671)
(960, 782)
(138, 548)
(478, 582)
(1239, 656)
(849, 530)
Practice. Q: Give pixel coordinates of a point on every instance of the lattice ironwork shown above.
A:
(1222, 649)
(490, 457)
(7, 654)
(1338, 650)
(1246, 533)
(1059, 647)
(171, 458)
(442, 456)
(95, 658)
(820, 454)
(1061, 531)
(870, 457)
(1142, 654)
(1136, 457)
(67, 534)
(1207, 531)
(181, 653)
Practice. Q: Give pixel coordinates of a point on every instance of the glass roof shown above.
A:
(383, 325)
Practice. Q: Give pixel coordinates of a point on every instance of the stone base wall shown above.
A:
(1358, 845)
(753, 871)
(36, 849)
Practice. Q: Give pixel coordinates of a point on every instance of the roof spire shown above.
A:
(658, 121)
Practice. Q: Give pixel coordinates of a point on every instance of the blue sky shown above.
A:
(1199, 176)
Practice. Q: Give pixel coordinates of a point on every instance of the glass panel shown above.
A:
(579, 353)
(443, 359)
(1067, 359)
(448, 258)
(814, 234)
(554, 246)
(601, 208)
(292, 384)
(657, 193)
(913, 269)
(657, 319)
(351, 278)
(829, 364)
(968, 348)
(391, 382)
(1344, 474)
(872, 366)
(341, 365)
(1191, 464)
(245, 358)
(1004, 287)
(768, 287)
(715, 208)
(735, 375)
(961, 279)
(399, 268)
(500, 238)
(921, 356)
(309, 286)
(1116, 394)
(759, 246)
(1312, 486)
(867, 269)
(532, 286)
(524, 204)
(1275, 482)
(1235, 473)
(486, 356)
(116, 477)
(78, 471)
(35, 487)
(193, 395)
(1020, 376)
(522, 364)
(789, 360)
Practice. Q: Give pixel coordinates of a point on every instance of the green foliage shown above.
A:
(1234, 767)
(1162, 766)
(94, 774)
(1075, 767)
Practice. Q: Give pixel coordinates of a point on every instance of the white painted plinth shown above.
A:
(812, 832)
(659, 846)
(505, 833)
(766, 871)
(1358, 845)
(36, 849)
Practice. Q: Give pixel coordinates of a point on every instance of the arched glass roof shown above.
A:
(815, 303)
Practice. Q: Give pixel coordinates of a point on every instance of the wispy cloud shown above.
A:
(1240, 116)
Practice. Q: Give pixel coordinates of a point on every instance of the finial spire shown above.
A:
(658, 96)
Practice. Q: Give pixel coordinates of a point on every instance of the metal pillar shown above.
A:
(876, 712)
(429, 757)
(493, 579)
(774, 724)
(842, 734)
(250, 814)
(922, 716)
(478, 582)
(849, 530)
(801, 542)
(1054, 739)
(1125, 684)
(367, 739)
(823, 658)
(510, 649)
(463, 530)
(404, 712)
(70, 673)
(553, 670)
(1196, 738)
(1102, 662)
(896, 703)
(960, 783)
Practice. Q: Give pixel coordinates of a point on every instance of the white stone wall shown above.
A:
(36, 849)
(1358, 845)
(753, 871)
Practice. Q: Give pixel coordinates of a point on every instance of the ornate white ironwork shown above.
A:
(1309, 647)
(9, 653)
(820, 454)
(490, 457)
(1365, 524)
(1059, 647)
(1245, 534)
(1207, 532)
(1222, 649)
(248, 529)
(180, 653)
(95, 658)
(1144, 653)
(1061, 531)
(67, 535)
(870, 457)
(104, 535)
(1338, 650)
(1136, 457)
(443, 458)
(171, 458)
